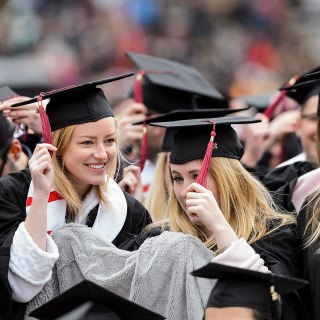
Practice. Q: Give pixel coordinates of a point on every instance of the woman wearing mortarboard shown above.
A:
(70, 180)
(215, 199)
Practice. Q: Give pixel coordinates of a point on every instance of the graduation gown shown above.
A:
(13, 194)
(281, 182)
(310, 264)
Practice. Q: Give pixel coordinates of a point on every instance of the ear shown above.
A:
(15, 149)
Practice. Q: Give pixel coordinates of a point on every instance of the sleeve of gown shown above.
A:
(279, 250)
(30, 267)
(240, 254)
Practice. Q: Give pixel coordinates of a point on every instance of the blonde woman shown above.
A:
(69, 180)
(231, 213)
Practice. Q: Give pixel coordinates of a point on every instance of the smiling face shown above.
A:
(91, 149)
(183, 175)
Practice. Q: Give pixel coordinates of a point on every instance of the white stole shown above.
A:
(109, 221)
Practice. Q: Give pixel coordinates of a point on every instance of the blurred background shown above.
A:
(242, 47)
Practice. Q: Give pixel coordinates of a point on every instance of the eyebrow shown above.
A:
(189, 172)
(94, 137)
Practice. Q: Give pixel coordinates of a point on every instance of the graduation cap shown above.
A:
(238, 287)
(89, 301)
(181, 114)
(305, 87)
(204, 139)
(162, 84)
(73, 105)
(7, 93)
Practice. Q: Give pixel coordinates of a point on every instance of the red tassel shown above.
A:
(45, 124)
(137, 90)
(144, 147)
(272, 107)
(203, 173)
(138, 97)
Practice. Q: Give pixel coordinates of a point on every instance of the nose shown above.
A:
(100, 152)
(183, 192)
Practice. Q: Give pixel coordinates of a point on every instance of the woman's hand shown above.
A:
(41, 169)
(203, 209)
(131, 181)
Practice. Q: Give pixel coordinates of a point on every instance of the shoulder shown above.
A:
(16, 181)
(285, 174)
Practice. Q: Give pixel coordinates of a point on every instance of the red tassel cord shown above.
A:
(137, 89)
(45, 124)
(203, 173)
(269, 112)
(144, 147)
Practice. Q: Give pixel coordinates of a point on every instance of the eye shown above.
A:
(195, 176)
(86, 142)
(110, 141)
(177, 179)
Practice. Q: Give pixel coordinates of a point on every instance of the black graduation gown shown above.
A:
(310, 265)
(282, 180)
(13, 194)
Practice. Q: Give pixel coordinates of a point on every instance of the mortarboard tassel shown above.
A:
(45, 124)
(144, 147)
(138, 97)
(203, 173)
(272, 107)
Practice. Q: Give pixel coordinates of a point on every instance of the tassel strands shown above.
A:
(203, 173)
(45, 124)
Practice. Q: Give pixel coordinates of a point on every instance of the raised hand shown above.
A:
(41, 168)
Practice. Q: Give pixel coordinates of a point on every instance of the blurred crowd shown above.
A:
(241, 46)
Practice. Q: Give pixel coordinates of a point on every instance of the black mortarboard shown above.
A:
(185, 114)
(300, 92)
(191, 138)
(6, 93)
(238, 287)
(89, 301)
(76, 104)
(162, 84)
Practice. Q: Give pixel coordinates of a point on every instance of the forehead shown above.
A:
(311, 105)
(105, 126)
(187, 166)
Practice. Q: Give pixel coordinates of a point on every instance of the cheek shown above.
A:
(111, 152)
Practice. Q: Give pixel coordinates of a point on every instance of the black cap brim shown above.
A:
(185, 114)
(89, 291)
(206, 122)
(282, 284)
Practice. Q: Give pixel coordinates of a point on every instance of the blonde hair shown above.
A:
(156, 201)
(313, 225)
(245, 202)
(62, 181)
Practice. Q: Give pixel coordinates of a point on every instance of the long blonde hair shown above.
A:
(62, 181)
(245, 202)
(156, 201)
(312, 229)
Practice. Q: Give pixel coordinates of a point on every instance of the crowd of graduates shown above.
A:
(234, 180)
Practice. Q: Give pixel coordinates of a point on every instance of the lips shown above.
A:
(96, 166)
